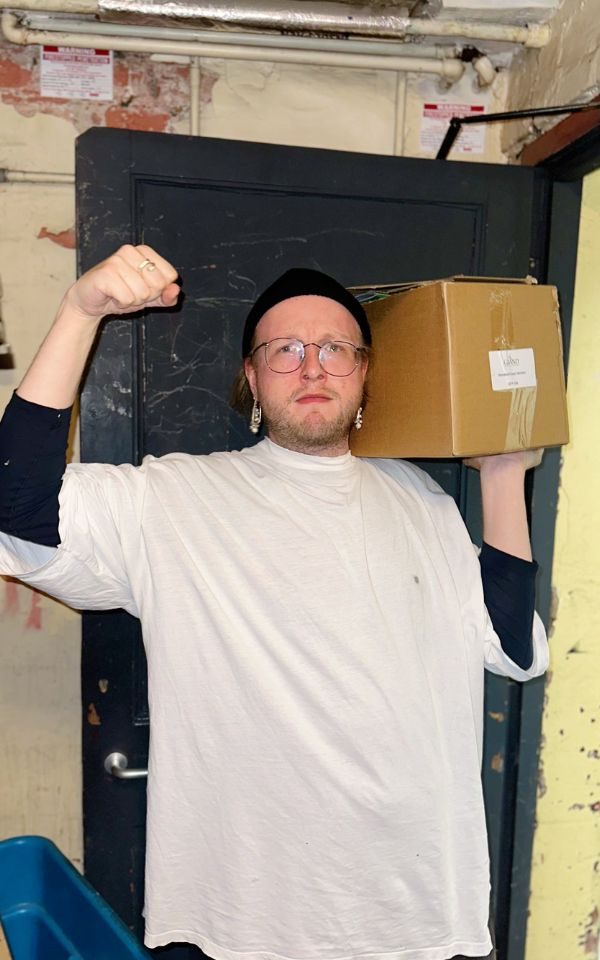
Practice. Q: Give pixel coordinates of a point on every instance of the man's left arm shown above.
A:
(508, 571)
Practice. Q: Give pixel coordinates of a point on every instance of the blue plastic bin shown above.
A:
(50, 912)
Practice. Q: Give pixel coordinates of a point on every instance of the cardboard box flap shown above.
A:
(367, 293)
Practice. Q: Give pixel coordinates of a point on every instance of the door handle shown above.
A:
(116, 765)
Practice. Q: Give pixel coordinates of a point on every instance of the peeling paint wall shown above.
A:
(40, 788)
(566, 71)
(366, 110)
(147, 96)
(565, 899)
(40, 708)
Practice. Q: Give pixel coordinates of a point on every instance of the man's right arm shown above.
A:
(34, 429)
(33, 453)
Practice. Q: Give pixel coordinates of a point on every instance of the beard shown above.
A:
(312, 434)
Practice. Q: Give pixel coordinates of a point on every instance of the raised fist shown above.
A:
(127, 281)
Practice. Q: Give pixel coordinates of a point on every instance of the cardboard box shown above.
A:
(463, 367)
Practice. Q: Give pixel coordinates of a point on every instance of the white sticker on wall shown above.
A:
(76, 74)
(435, 119)
(512, 369)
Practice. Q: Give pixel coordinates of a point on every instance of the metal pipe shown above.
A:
(400, 114)
(321, 16)
(533, 35)
(285, 41)
(450, 70)
(57, 6)
(326, 16)
(485, 70)
(194, 96)
(29, 176)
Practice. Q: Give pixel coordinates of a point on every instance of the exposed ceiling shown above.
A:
(318, 18)
(185, 12)
(390, 34)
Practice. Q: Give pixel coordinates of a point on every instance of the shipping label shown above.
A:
(512, 369)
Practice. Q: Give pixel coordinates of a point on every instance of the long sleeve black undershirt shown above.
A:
(33, 454)
(33, 444)
(509, 594)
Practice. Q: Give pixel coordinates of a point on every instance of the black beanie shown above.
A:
(302, 282)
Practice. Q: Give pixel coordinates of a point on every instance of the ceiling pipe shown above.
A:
(57, 6)
(448, 70)
(485, 70)
(532, 35)
(388, 21)
(310, 16)
(43, 21)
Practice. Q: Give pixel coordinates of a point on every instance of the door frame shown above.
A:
(567, 167)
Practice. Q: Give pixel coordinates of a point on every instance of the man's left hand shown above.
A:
(525, 459)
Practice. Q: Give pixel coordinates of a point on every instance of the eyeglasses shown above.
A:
(337, 357)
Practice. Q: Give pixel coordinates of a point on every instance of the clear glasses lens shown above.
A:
(337, 358)
(283, 355)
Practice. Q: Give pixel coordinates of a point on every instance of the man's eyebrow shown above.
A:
(325, 338)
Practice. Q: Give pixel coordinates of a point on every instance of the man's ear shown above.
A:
(250, 375)
(365, 365)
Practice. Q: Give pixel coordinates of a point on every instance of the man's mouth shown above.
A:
(313, 398)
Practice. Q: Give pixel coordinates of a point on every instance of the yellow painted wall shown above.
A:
(565, 884)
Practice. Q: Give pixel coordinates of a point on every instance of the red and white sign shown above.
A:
(74, 74)
(434, 124)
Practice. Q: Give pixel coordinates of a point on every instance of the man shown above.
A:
(316, 636)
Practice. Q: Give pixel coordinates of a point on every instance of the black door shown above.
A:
(232, 216)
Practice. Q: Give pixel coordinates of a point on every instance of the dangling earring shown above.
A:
(255, 417)
(358, 420)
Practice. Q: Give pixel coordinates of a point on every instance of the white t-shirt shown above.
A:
(316, 639)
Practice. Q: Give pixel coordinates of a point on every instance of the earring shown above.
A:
(358, 420)
(255, 417)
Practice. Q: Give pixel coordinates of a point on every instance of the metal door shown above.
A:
(232, 216)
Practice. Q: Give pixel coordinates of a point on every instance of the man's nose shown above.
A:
(311, 366)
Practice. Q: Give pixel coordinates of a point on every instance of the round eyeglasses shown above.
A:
(285, 354)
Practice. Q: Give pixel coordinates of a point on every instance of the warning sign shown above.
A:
(74, 74)
(434, 124)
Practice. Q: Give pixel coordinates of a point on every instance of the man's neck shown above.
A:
(337, 449)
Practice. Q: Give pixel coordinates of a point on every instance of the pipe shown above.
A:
(450, 70)
(328, 17)
(485, 70)
(400, 114)
(29, 176)
(57, 6)
(194, 96)
(285, 41)
(534, 35)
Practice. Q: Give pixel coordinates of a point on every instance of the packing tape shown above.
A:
(501, 319)
(519, 428)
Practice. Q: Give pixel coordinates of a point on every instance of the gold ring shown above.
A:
(148, 265)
